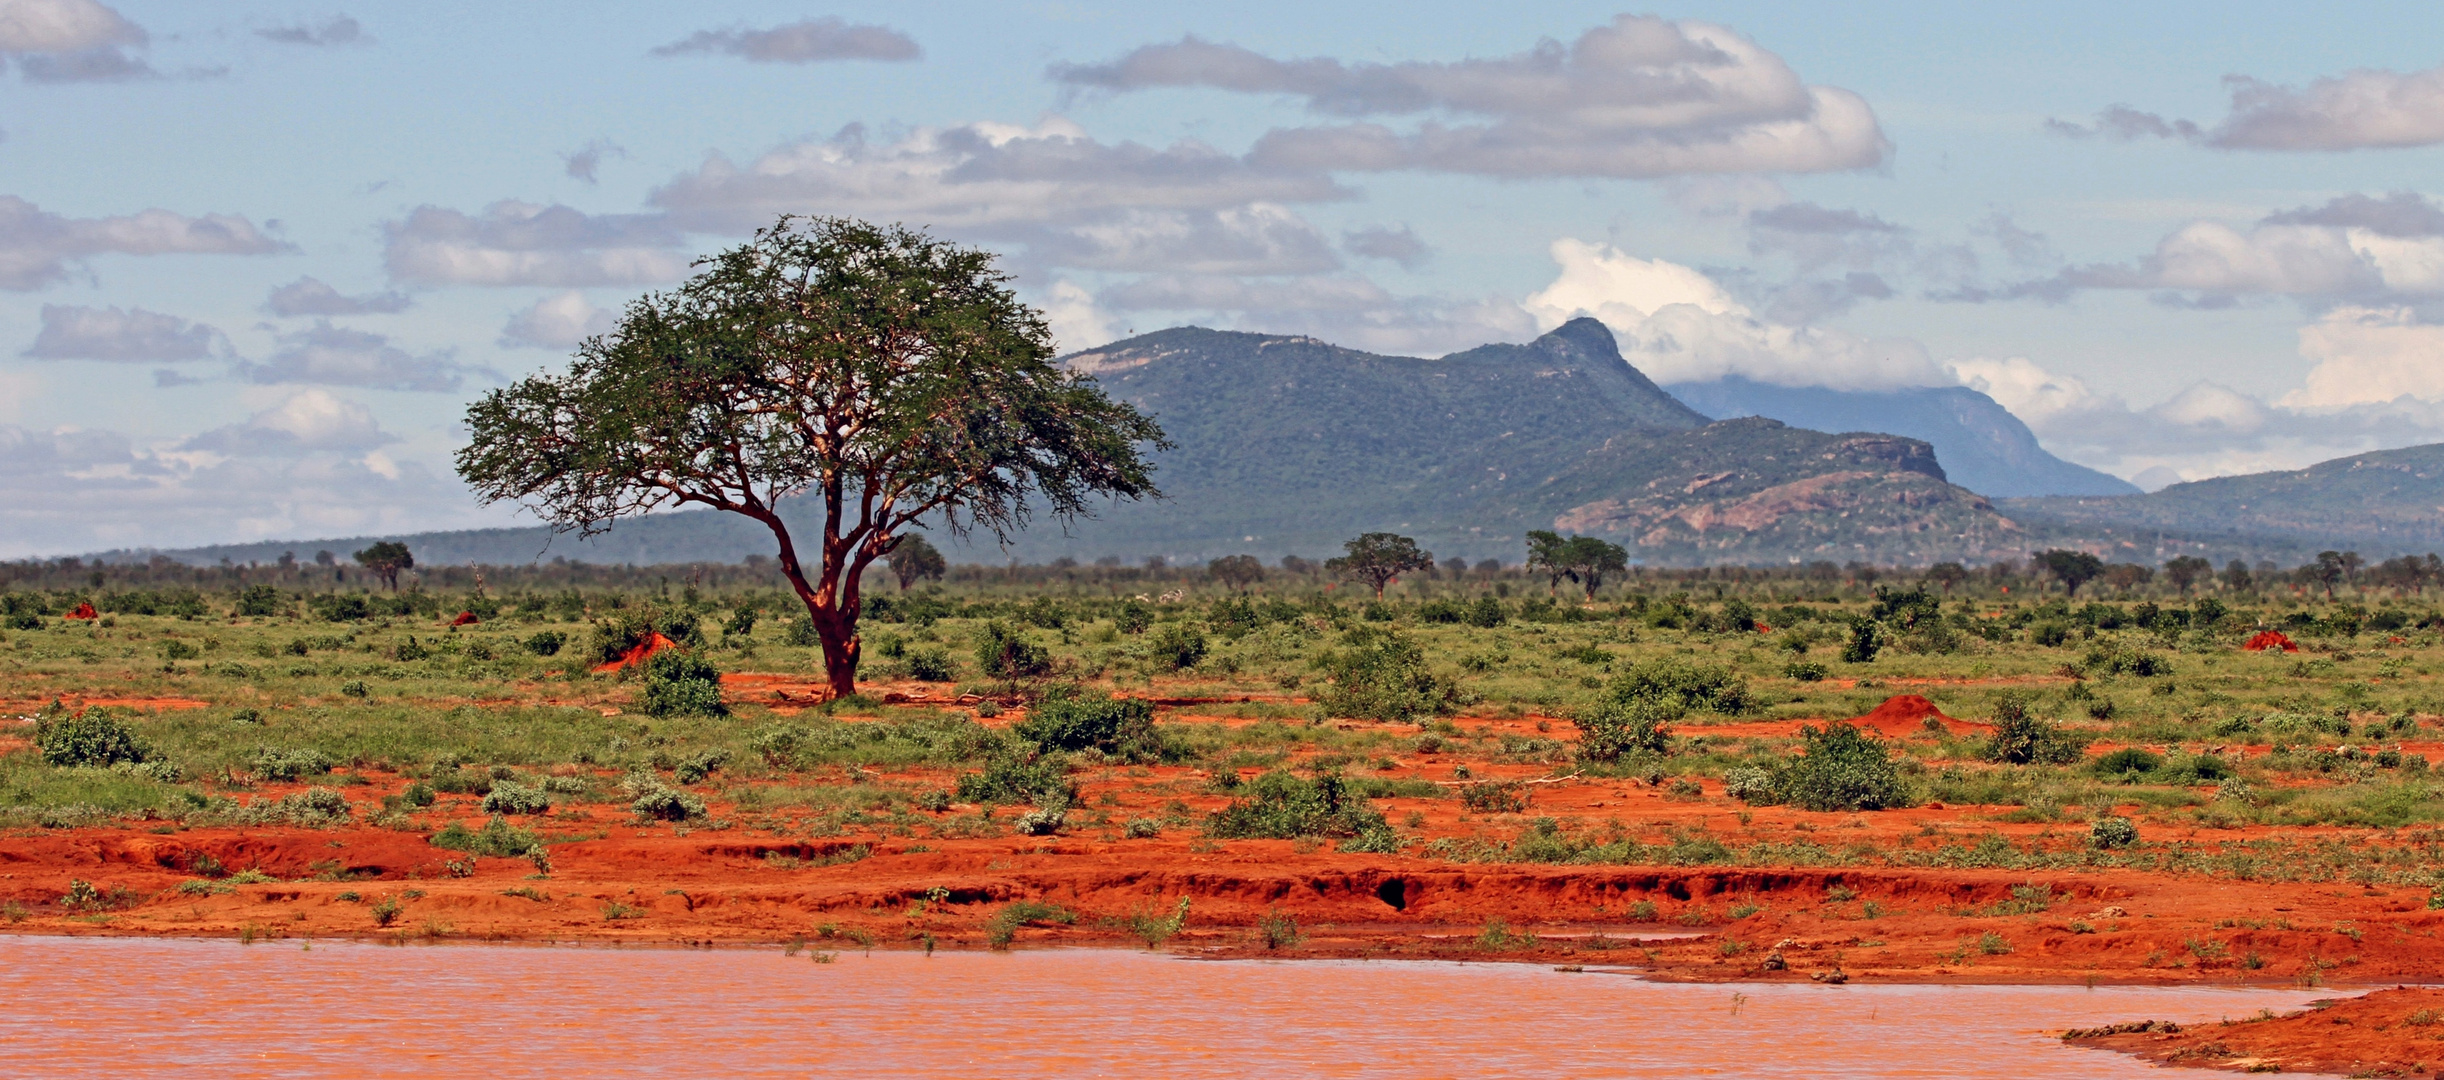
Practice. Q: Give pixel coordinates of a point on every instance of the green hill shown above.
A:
(2384, 503)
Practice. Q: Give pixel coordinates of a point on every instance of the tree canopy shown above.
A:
(387, 559)
(915, 560)
(884, 374)
(1586, 560)
(1236, 572)
(1377, 557)
(2072, 568)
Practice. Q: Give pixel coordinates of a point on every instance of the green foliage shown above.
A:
(545, 642)
(287, 764)
(916, 559)
(2022, 738)
(1004, 926)
(1375, 558)
(1005, 653)
(514, 798)
(1281, 806)
(498, 839)
(2127, 762)
(1841, 768)
(649, 797)
(1867, 638)
(1699, 687)
(2110, 833)
(261, 601)
(1014, 776)
(932, 665)
(1379, 674)
(682, 684)
(1120, 727)
(94, 737)
(1178, 646)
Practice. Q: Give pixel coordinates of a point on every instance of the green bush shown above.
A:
(2111, 832)
(1700, 687)
(1617, 727)
(1806, 671)
(282, 765)
(651, 798)
(1281, 806)
(932, 665)
(1005, 653)
(1749, 784)
(2129, 762)
(1117, 726)
(1015, 777)
(514, 798)
(1379, 675)
(91, 738)
(1134, 617)
(1841, 768)
(1179, 646)
(2024, 739)
(695, 768)
(498, 838)
(545, 642)
(260, 601)
(319, 806)
(1867, 638)
(682, 684)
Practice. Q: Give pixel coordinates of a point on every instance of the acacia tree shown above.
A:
(884, 375)
(1548, 554)
(2072, 568)
(1236, 572)
(386, 559)
(2185, 570)
(1947, 574)
(915, 560)
(1591, 560)
(1377, 557)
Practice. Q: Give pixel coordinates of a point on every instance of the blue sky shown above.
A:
(255, 261)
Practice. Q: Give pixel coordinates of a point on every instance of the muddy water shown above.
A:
(138, 1008)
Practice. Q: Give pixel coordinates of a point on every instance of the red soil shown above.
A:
(1899, 716)
(81, 702)
(638, 653)
(2397, 1032)
(2270, 639)
(83, 611)
(465, 618)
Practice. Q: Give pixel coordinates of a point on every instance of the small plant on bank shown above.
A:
(2112, 832)
(1281, 806)
(1005, 924)
(1277, 930)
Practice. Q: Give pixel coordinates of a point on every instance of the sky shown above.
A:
(256, 261)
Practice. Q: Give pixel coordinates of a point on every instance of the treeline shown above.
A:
(165, 586)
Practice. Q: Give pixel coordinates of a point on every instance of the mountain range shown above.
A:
(1290, 445)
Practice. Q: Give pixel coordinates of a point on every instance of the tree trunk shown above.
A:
(841, 651)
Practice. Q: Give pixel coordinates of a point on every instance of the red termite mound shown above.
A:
(2271, 639)
(465, 618)
(1905, 714)
(639, 653)
(84, 611)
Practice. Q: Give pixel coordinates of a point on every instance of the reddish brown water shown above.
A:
(137, 1008)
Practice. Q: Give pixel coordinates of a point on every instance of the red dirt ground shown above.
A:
(2397, 1032)
(638, 654)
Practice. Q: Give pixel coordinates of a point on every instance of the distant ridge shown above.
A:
(2386, 502)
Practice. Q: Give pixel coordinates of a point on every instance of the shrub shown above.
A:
(1495, 797)
(1012, 777)
(801, 634)
(679, 684)
(314, 806)
(1120, 727)
(1486, 613)
(498, 839)
(1051, 811)
(1281, 806)
(1806, 671)
(92, 738)
(932, 665)
(257, 601)
(1867, 638)
(2023, 739)
(1379, 675)
(2112, 832)
(1134, 617)
(694, 768)
(545, 642)
(1005, 653)
(355, 688)
(2128, 762)
(283, 765)
(1615, 727)
(1749, 784)
(2124, 661)
(1179, 646)
(652, 798)
(1841, 768)
(1700, 687)
(512, 798)
(1006, 922)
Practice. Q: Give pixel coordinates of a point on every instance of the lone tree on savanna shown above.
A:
(883, 374)
(1378, 557)
(1236, 572)
(2072, 568)
(2185, 571)
(1586, 560)
(915, 560)
(387, 559)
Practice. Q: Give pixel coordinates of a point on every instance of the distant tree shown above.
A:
(386, 559)
(325, 558)
(915, 560)
(2128, 576)
(1489, 567)
(886, 376)
(2351, 562)
(2236, 576)
(1455, 567)
(2327, 570)
(1947, 574)
(1548, 554)
(1378, 557)
(2072, 568)
(1294, 565)
(1236, 572)
(2185, 571)
(1864, 573)
(1591, 560)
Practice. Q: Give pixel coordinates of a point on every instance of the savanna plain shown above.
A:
(1838, 776)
